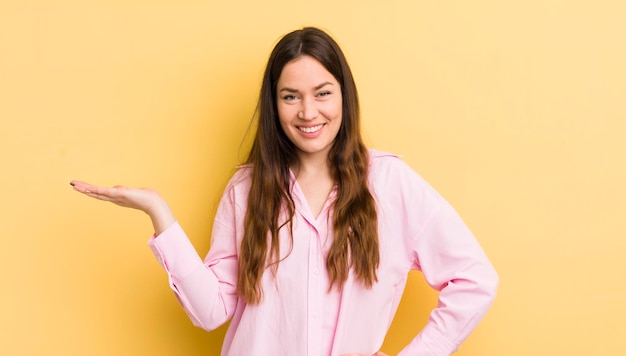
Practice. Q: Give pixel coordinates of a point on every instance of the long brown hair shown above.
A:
(355, 243)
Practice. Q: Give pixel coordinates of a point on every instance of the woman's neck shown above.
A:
(315, 182)
(311, 166)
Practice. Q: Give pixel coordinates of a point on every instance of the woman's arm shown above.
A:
(206, 290)
(453, 263)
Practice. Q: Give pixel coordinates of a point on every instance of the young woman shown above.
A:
(315, 235)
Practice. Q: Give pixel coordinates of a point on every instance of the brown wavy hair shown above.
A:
(355, 243)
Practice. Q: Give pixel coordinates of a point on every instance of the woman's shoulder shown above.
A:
(381, 160)
(392, 178)
(391, 169)
(241, 178)
(378, 154)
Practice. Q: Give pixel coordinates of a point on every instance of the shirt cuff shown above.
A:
(429, 342)
(174, 251)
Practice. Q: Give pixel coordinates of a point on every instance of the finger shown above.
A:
(98, 196)
(76, 183)
(116, 194)
(81, 187)
(101, 193)
(112, 195)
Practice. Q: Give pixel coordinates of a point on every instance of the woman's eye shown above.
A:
(289, 97)
(323, 93)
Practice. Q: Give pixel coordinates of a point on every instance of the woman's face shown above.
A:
(309, 106)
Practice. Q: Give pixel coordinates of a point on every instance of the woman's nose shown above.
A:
(308, 110)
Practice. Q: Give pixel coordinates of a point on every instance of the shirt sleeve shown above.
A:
(205, 289)
(453, 263)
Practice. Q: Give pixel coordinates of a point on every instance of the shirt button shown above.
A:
(316, 271)
(315, 315)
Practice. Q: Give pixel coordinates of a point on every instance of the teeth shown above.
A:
(310, 129)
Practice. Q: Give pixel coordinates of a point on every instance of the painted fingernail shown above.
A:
(72, 184)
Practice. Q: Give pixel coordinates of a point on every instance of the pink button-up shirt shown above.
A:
(418, 230)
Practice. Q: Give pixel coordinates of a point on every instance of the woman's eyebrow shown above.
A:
(322, 85)
(292, 90)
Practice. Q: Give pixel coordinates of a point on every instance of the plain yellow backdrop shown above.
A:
(514, 111)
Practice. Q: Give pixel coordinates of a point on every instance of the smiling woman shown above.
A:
(315, 235)
(309, 107)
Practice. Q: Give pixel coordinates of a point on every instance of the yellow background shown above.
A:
(514, 111)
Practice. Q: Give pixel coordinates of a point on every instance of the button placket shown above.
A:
(315, 295)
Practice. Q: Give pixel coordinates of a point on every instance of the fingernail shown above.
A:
(72, 184)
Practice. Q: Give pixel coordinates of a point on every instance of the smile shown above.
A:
(310, 129)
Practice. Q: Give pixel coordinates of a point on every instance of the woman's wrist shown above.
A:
(161, 216)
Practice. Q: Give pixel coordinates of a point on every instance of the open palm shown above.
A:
(144, 199)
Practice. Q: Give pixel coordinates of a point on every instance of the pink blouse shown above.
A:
(418, 230)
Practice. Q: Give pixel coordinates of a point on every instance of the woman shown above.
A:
(314, 236)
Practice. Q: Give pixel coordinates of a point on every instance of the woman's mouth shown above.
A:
(310, 129)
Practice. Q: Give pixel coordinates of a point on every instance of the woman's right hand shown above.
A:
(144, 199)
